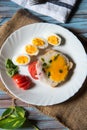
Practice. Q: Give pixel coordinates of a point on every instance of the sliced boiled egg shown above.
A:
(31, 49)
(21, 59)
(54, 39)
(39, 42)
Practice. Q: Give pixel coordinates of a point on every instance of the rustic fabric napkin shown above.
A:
(57, 9)
(72, 113)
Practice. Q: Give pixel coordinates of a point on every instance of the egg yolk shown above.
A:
(30, 49)
(38, 42)
(53, 40)
(22, 59)
(57, 70)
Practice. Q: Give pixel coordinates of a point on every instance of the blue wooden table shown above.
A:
(77, 23)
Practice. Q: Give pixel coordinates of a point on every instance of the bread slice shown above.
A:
(53, 68)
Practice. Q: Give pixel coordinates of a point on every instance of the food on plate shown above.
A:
(22, 81)
(32, 69)
(21, 59)
(53, 67)
(31, 50)
(54, 40)
(11, 69)
(39, 42)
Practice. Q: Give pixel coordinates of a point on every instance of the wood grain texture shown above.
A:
(42, 121)
(77, 20)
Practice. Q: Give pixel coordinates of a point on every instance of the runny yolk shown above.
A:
(58, 69)
(22, 59)
(38, 42)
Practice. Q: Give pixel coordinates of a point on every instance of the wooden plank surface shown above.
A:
(42, 121)
(77, 21)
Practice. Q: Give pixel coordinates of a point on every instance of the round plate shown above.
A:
(42, 94)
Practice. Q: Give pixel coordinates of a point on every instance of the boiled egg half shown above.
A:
(39, 42)
(54, 39)
(31, 50)
(21, 59)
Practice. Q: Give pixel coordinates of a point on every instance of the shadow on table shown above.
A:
(29, 123)
(83, 41)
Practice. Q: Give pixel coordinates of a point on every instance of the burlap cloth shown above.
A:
(72, 113)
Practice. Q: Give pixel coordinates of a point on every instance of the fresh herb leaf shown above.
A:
(42, 59)
(8, 112)
(50, 61)
(43, 70)
(49, 74)
(13, 118)
(12, 123)
(11, 69)
(9, 64)
(56, 57)
(11, 72)
(20, 111)
(44, 64)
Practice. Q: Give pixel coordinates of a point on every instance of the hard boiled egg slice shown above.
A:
(39, 42)
(31, 49)
(54, 39)
(21, 59)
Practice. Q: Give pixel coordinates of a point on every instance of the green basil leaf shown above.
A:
(9, 64)
(8, 112)
(20, 111)
(12, 118)
(11, 69)
(12, 123)
(11, 72)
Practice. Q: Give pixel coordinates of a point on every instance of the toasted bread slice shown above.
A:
(53, 68)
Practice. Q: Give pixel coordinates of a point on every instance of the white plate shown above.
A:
(42, 94)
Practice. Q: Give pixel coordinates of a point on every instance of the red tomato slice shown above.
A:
(20, 78)
(22, 81)
(23, 84)
(17, 76)
(27, 86)
(32, 69)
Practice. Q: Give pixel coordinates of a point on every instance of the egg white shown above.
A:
(34, 53)
(53, 34)
(16, 63)
(43, 46)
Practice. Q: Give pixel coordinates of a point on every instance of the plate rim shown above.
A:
(26, 27)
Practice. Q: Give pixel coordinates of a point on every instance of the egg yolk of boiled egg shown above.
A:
(39, 42)
(58, 68)
(31, 50)
(53, 40)
(22, 60)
